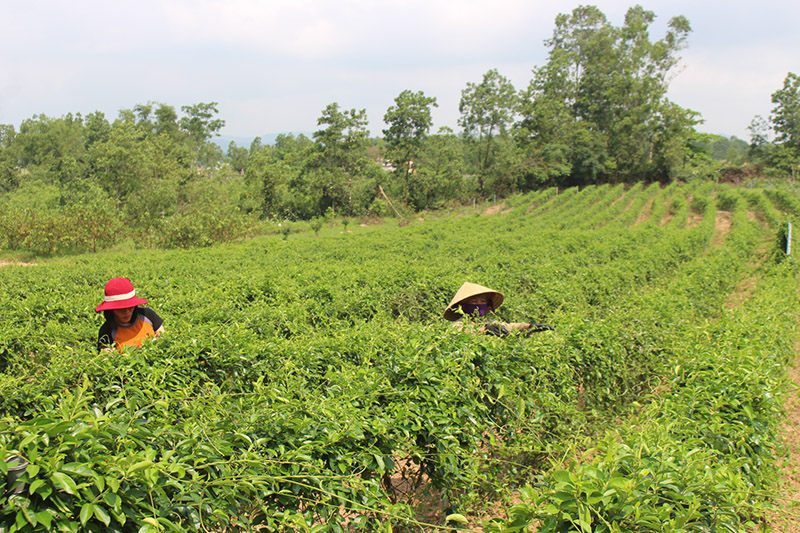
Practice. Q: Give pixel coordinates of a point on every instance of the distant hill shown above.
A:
(244, 142)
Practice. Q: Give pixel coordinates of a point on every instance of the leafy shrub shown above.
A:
(305, 387)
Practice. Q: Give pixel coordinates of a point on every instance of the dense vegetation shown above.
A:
(596, 112)
(310, 383)
(307, 381)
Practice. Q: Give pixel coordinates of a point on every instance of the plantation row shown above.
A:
(312, 383)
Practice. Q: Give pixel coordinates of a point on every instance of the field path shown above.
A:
(787, 517)
(4, 262)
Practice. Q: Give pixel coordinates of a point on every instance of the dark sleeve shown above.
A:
(153, 317)
(104, 339)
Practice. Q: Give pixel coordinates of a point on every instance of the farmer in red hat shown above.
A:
(126, 323)
(476, 301)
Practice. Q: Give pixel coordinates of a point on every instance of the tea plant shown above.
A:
(316, 387)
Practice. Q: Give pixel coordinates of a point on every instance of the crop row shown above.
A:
(307, 383)
(698, 455)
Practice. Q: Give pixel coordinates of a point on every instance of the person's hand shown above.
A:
(535, 328)
(496, 330)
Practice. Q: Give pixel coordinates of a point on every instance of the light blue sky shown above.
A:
(274, 65)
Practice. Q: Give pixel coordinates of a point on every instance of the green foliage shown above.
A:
(316, 225)
(595, 113)
(785, 116)
(286, 229)
(598, 108)
(409, 122)
(199, 125)
(487, 111)
(294, 381)
(201, 228)
(731, 150)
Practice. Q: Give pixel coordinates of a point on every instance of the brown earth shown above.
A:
(722, 227)
(645, 213)
(786, 517)
(4, 262)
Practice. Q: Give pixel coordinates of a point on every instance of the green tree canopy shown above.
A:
(785, 115)
(598, 108)
(487, 111)
(409, 121)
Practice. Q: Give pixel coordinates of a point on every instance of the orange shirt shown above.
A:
(145, 324)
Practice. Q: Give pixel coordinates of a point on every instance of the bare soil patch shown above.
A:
(786, 517)
(645, 212)
(492, 210)
(694, 220)
(722, 227)
(4, 262)
(740, 294)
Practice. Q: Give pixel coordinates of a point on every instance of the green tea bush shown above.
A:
(317, 387)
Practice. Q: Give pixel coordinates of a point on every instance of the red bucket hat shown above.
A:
(119, 294)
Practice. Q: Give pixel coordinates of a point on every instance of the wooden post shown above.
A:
(380, 188)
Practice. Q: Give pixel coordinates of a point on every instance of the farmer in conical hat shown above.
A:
(473, 300)
(127, 324)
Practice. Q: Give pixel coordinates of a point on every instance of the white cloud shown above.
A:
(275, 64)
(730, 89)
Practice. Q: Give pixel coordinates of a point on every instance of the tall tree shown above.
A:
(598, 108)
(9, 177)
(341, 159)
(409, 121)
(487, 111)
(97, 128)
(200, 125)
(785, 115)
(343, 140)
(441, 166)
(237, 157)
(166, 121)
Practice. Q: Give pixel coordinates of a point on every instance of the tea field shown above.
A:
(310, 383)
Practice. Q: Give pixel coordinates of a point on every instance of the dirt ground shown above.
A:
(4, 262)
(786, 518)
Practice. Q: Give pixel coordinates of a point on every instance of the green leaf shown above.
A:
(35, 486)
(76, 469)
(618, 482)
(455, 517)
(30, 516)
(112, 500)
(113, 483)
(86, 512)
(562, 476)
(44, 518)
(102, 515)
(64, 482)
(151, 525)
(139, 466)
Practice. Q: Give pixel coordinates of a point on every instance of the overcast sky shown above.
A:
(274, 65)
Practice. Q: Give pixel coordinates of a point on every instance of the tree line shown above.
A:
(595, 112)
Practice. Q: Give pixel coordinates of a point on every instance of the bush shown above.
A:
(316, 225)
(200, 229)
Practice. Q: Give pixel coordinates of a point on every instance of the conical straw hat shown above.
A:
(469, 290)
